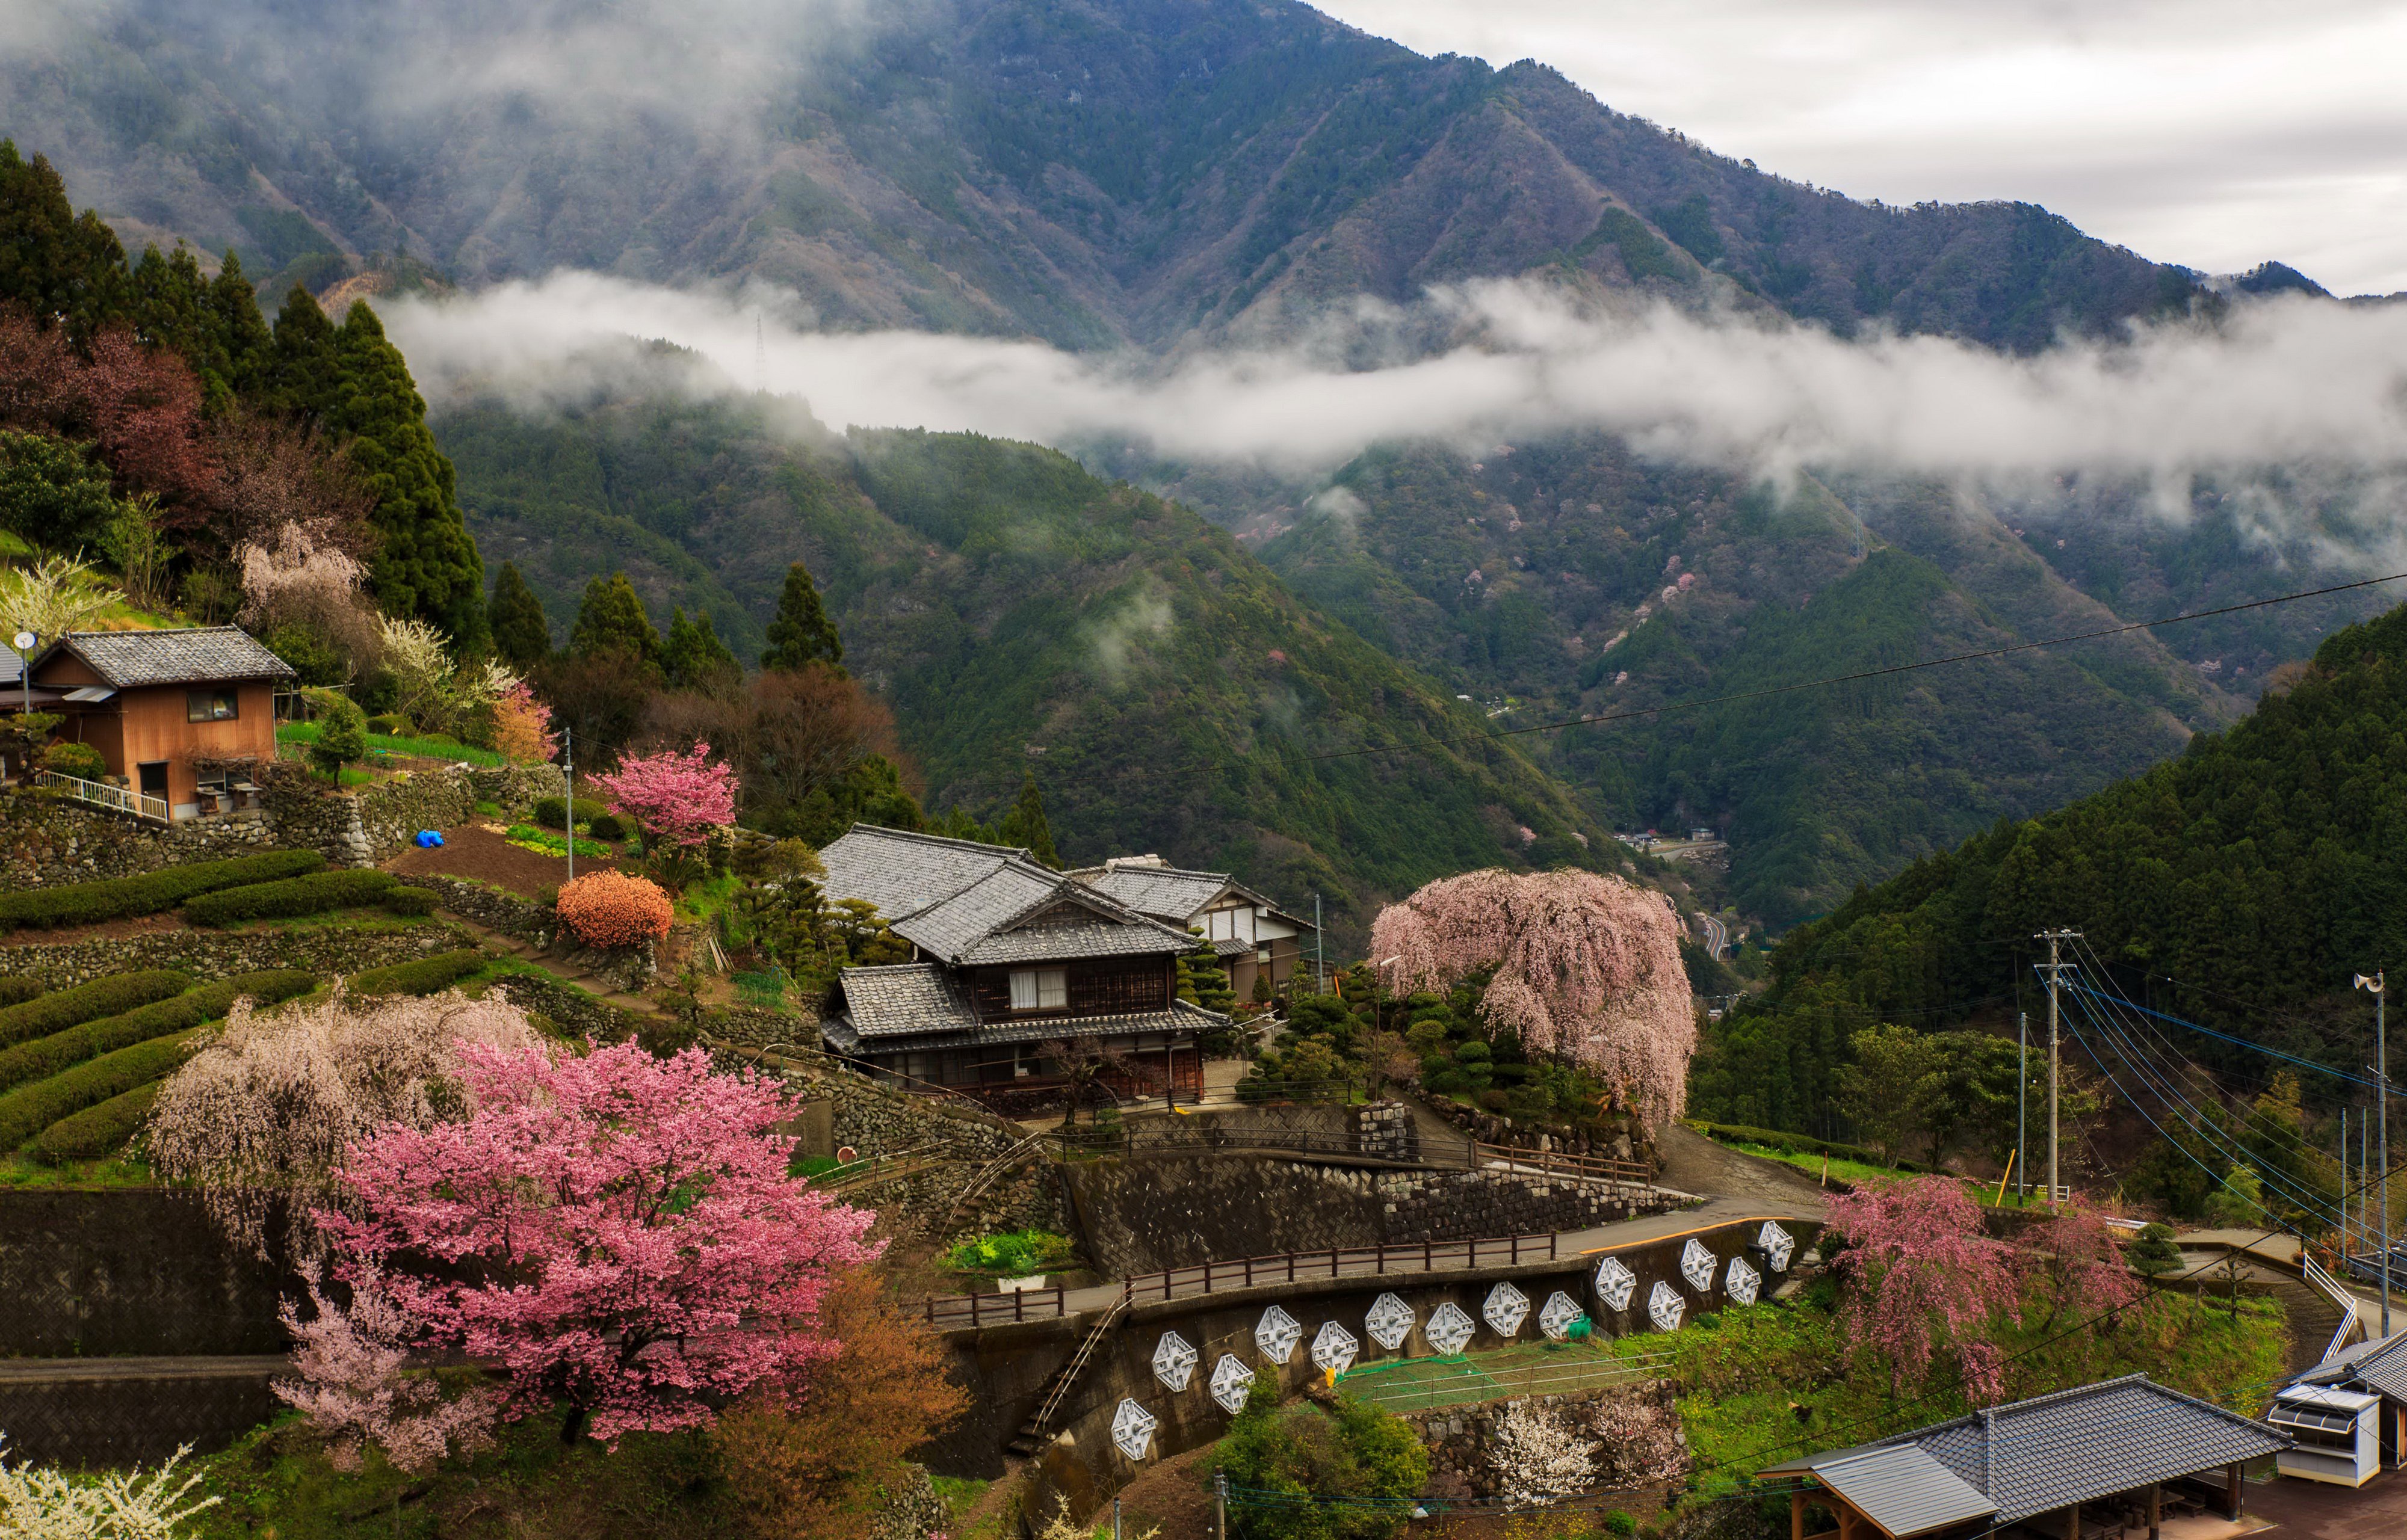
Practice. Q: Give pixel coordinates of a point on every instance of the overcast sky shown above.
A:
(2209, 132)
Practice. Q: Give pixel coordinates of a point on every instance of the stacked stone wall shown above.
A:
(48, 838)
(216, 954)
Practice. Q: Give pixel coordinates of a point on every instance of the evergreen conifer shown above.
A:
(612, 620)
(426, 565)
(1025, 826)
(696, 657)
(302, 376)
(801, 634)
(59, 265)
(522, 635)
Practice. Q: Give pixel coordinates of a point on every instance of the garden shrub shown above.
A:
(1013, 1254)
(29, 1109)
(16, 989)
(109, 996)
(32, 1061)
(116, 898)
(552, 811)
(390, 725)
(312, 895)
(422, 977)
(80, 760)
(414, 902)
(1350, 1450)
(97, 1131)
(607, 825)
(612, 909)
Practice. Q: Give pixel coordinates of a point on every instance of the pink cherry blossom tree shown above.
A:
(612, 1231)
(677, 799)
(1921, 1280)
(356, 1387)
(1587, 966)
(2078, 1257)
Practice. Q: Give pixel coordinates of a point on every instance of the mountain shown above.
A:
(1089, 172)
(1022, 615)
(2240, 885)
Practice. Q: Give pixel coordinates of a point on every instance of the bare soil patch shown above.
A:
(478, 854)
(107, 930)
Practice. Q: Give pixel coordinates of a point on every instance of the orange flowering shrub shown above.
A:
(612, 909)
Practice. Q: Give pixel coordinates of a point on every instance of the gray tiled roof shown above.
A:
(192, 656)
(890, 1033)
(2084, 1443)
(964, 902)
(2380, 1364)
(1166, 892)
(907, 999)
(1902, 1490)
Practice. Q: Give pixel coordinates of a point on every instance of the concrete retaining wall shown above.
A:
(135, 1271)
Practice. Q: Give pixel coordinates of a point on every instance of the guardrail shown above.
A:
(1127, 1140)
(2331, 1289)
(948, 1312)
(116, 798)
(1554, 1162)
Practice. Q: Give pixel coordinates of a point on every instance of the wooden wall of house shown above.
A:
(151, 726)
(1097, 987)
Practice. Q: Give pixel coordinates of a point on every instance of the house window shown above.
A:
(210, 706)
(1262, 956)
(1040, 989)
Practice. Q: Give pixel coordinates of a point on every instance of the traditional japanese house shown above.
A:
(1253, 936)
(1018, 971)
(178, 714)
(2118, 1455)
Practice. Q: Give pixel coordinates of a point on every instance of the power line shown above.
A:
(1768, 691)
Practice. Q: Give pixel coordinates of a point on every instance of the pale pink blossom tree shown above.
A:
(677, 798)
(1922, 1279)
(1587, 967)
(267, 1107)
(2078, 1258)
(613, 1231)
(1538, 1456)
(356, 1387)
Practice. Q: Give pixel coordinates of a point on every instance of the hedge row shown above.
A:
(29, 1109)
(415, 902)
(98, 1130)
(109, 996)
(62, 1050)
(310, 895)
(1796, 1144)
(552, 811)
(88, 903)
(422, 977)
(16, 989)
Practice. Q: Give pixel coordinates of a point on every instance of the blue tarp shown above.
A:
(428, 838)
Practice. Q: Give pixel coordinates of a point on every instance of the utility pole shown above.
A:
(568, 808)
(2056, 966)
(2382, 1118)
(2022, 1106)
(1220, 1505)
(1319, 969)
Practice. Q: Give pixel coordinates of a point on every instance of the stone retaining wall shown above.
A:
(1625, 1138)
(494, 907)
(46, 839)
(213, 954)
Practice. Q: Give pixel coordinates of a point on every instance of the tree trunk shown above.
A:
(572, 1427)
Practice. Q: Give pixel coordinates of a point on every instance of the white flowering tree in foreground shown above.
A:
(1587, 967)
(37, 1502)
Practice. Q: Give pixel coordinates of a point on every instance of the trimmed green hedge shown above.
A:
(310, 895)
(88, 903)
(422, 977)
(415, 902)
(552, 811)
(1794, 1144)
(109, 996)
(60, 1051)
(29, 1109)
(17, 990)
(98, 1130)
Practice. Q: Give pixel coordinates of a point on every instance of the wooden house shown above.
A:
(1253, 936)
(1016, 970)
(175, 713)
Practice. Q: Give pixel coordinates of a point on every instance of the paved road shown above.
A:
(2312, 1510)
(1717, 936)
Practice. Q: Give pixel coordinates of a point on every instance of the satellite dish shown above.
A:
(24, 640)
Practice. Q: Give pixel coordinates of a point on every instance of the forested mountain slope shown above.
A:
(2241, 886)
(1086, 171)
(1018, 613)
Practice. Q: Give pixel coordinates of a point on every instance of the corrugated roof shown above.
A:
(191, 656)
(1904, 1490)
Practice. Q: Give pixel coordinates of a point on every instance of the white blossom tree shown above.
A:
(1587, 967)
(38, 1503)
(1538, 1455)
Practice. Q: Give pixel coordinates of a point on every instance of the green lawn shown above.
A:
(424, 748)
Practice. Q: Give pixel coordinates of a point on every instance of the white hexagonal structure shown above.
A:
(1555, 1316)
(1133, 1429)
(1448, 1329)
(1616, 1283)
(1739, 1281)
(1697, 1266)
(1231, 1380)
(1277, 1335)
(1334, 1348)
(1664, 1307)
(1174, 1361)
(1505, 1309)
(1778, 1246)
(1390, 1323)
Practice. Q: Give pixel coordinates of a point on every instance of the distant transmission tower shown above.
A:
(759, 357)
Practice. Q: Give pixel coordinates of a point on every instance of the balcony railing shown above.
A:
(116, 798)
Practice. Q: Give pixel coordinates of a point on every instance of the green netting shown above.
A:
(1461, 1379)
